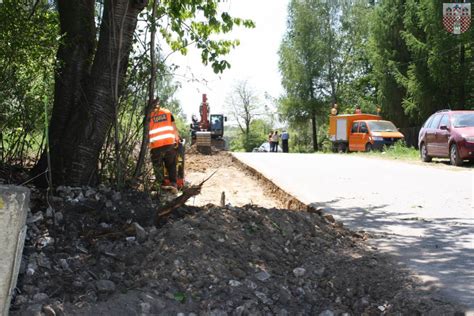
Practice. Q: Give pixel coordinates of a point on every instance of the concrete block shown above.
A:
(14, 203)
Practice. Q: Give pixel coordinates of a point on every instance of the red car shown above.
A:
(448, 134)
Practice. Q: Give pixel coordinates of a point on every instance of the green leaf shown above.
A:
(180, 297)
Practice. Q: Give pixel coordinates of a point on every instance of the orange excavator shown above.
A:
(208, 132)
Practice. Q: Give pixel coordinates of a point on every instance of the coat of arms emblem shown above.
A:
(456, 17)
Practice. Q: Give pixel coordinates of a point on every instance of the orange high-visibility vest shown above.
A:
(161, 131)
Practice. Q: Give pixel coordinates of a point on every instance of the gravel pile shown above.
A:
(93, 252)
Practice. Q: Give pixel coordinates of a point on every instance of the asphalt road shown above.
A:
(421, 214)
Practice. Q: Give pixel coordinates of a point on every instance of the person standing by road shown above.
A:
(275, 141)
(270, 140)
(285, 136)
(358, 110)
(163, 142)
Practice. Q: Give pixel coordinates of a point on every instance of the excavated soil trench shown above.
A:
(239, 183)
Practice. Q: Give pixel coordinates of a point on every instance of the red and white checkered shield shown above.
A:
(456, 17)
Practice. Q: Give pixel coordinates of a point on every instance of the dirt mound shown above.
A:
(193, 150)
(83, 259)
(196, 162)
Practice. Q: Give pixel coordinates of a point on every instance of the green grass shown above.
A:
(399, 151)
(403, 153)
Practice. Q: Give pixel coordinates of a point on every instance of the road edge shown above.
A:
(286, 199)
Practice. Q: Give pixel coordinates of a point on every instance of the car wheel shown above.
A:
(454, 155)
(368, 147)
(424, 153)
(341, 148)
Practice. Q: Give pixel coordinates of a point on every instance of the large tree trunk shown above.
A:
(314, 130)
(151, 98)
(464, 74)
(89, 126)
(75, 55)
(79, 126)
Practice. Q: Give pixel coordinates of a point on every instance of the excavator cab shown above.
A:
(217, 125)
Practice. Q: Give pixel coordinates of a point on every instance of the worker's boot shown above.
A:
(172, 187)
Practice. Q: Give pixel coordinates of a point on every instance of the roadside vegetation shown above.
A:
(65, 79)
(399, 151)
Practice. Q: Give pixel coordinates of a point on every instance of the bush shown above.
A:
(400, 149)
(326, 146)
(242, 143)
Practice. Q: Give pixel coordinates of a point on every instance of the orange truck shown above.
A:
(361, 132)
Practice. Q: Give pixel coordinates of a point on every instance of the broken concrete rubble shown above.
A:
(14, 203)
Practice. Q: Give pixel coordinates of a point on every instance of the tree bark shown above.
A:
(463, 70)
(89, 126)
(151, 97)
(75, 54)
(313, 118)
(83, 113)
(314, 131)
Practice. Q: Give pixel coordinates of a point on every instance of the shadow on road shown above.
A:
(440, 250)
(444, 162)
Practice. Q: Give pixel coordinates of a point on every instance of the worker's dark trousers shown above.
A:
(284, 144)
(166, 154)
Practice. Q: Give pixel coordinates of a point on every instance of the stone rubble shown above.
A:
(96, 252)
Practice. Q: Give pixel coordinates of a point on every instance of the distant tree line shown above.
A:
(392, 53)
(252, 118)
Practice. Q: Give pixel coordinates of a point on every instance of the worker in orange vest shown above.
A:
(164, 140)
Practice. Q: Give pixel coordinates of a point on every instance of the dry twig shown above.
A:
(188, 193)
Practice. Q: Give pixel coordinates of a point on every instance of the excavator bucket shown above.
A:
(203, 142)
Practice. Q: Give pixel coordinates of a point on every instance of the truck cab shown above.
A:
(372, 134)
